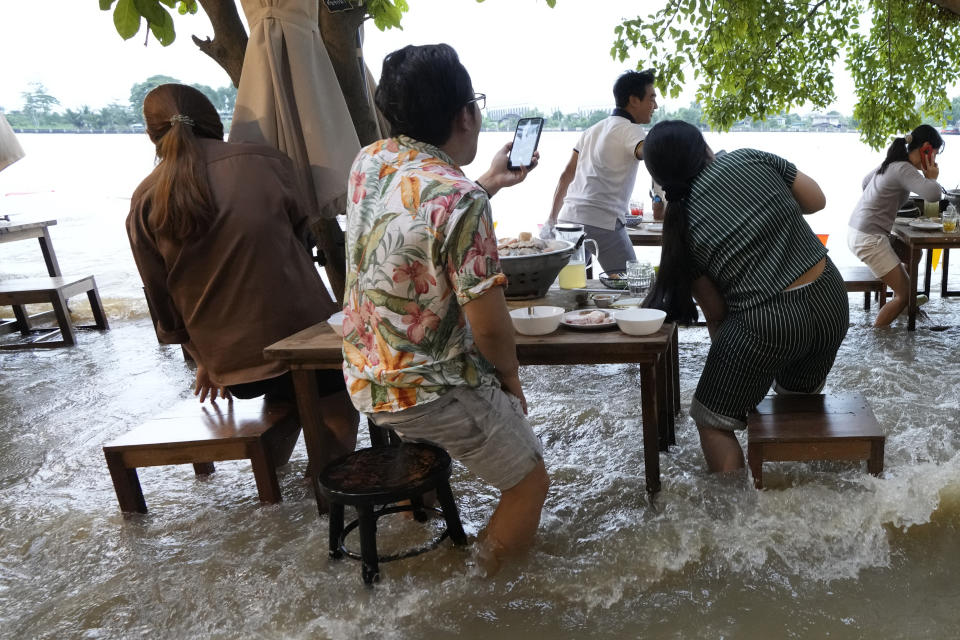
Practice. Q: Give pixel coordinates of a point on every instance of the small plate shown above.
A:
(899, 220)
(606, 324)
(654, 226)
(626, 303)
(926, 225)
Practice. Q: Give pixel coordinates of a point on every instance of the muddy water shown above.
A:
(826, 550)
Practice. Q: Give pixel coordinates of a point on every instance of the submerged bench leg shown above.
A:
(875, 463)
(59, 302)
(203, 468)
(755, 460)
(265, 474)
(126, 483)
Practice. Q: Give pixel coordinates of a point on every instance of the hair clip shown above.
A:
(182, 119)
(908, 138)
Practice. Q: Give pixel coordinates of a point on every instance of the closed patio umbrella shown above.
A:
(289, 98)
(10, 149)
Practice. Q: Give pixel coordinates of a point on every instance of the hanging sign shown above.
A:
(334, 6)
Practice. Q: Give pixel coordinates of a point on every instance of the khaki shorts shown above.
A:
(482, 427)
(874, 251)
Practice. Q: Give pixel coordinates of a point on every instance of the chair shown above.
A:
(857, 279)
(813, 427)
(384, 476)
(54, 291)
(192, 433)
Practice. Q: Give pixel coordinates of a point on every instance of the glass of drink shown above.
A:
(931, 209)
(638, 277)
(636, 208)
(950, 219)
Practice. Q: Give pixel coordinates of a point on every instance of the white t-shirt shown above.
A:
(883, 195)
(606, 170)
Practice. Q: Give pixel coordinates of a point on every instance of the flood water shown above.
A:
(825, 551)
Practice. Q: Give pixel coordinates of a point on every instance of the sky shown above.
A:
(518, 52)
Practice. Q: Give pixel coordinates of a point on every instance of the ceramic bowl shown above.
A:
(544, 320)
(603, 300)
(639, 322)
(336, 323)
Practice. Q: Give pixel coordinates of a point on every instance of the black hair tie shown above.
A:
(676, 192)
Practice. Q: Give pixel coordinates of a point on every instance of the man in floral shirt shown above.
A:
(428, 344)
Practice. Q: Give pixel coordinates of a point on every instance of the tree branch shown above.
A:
(229, 37)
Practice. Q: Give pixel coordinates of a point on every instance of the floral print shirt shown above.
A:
(420, 244)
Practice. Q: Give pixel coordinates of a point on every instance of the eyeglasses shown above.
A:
(480, 99)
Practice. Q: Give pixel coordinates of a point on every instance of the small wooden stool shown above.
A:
(857, 279)
(55, 291)
(813, 427)
(384, 476)
(192, 433)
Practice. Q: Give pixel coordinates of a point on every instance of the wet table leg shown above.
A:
(316, 436)
(651, 424)
(914, 270)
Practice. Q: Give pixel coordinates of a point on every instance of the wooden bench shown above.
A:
(813, 427)
(857, 279)
(192, 433)
(54, 291)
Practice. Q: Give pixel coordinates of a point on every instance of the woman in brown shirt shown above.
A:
(217, 231)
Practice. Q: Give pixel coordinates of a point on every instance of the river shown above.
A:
(825, 551)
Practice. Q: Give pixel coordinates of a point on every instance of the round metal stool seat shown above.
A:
(382, 477)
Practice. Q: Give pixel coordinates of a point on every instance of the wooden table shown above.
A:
(25, 231)
(643, 236)
(318, 347)
(916, 241)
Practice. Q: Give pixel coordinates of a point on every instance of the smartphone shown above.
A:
(525, 140)
(928, 152)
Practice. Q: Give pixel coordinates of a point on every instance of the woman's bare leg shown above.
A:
(897, 280)
(721, 449)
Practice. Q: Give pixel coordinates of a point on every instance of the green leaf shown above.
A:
(151, 10)
(126, 19)
(106, 4)
(164, 31)
(367, 244)
(383, 299)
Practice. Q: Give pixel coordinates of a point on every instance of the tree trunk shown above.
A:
(229, 37)
(341, 35)
(949, 5)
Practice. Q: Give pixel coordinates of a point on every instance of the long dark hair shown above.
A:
(675, 153)
(899, 150)
(178, 190)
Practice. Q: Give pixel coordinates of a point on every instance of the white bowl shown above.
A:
(639, 322)
(336, 323)
(543, 321)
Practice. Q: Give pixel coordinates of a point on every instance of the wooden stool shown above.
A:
(384, 476)
(857, 279)
(192, 433)
(813, 427)
(55, 291)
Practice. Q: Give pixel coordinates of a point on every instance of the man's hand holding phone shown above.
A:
(500, 175)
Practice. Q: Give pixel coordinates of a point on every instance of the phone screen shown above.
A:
(525, 141)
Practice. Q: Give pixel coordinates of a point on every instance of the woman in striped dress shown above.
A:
(734, 239)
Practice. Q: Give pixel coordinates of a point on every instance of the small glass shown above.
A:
(639, 275)
(931, 209)
(950, 220)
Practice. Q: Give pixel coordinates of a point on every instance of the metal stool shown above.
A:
(384, 476)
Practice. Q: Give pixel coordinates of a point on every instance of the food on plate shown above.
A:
(525, 244)
(587, 318)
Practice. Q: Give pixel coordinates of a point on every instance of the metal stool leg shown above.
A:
(370, 569)
(336, 530)
(450, 514)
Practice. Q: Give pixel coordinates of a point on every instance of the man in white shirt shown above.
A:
(595, 187)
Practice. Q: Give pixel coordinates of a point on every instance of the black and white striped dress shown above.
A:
(748, 236)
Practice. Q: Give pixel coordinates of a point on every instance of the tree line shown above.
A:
(40, 109)
(694, 114)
